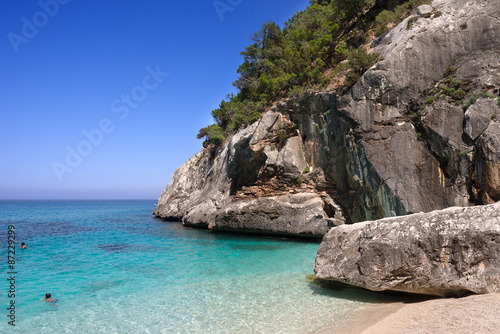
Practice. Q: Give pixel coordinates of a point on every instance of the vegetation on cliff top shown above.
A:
(329, 34)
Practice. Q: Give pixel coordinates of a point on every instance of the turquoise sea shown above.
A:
(120, 270)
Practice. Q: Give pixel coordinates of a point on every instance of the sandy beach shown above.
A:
(467, 315)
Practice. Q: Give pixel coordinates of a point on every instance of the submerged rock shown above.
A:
(444, 253)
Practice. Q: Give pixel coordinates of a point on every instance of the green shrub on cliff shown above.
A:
(386, 17)
(474, 97)
(383, 19)
(359, 62)
(285, 131)
(212, 134)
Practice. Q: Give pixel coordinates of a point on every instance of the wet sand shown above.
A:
(468, 315)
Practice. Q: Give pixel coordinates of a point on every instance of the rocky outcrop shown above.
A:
(456, 44)
(478, 116)
(425, 10)
(254, 183)
(291, 158)
(297, 214)
(418, 132)
(487, 173)
(443, 253)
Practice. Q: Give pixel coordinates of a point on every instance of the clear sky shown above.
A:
(103, 99)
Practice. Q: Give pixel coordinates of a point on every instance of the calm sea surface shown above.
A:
(120, 270)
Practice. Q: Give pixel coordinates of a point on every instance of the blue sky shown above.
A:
(103, 99)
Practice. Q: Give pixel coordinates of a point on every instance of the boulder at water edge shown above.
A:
(444, 253)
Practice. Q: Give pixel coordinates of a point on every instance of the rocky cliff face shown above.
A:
(418, 132)
(253, 183)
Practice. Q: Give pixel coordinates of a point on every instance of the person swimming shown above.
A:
(49, 299)
(23, 246)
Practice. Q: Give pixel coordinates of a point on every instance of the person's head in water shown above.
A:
(48, 298)
(23, 245)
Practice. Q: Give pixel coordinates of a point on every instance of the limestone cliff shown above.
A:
(418, 132)
(252, 183)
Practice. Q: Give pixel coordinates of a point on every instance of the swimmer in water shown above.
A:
(23, 246)
(48, 298)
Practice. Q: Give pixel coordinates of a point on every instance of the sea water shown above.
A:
(117, 269)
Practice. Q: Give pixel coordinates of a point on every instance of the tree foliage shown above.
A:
(397, 15)
(212, 134)
(280, 62)
(359, 62)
